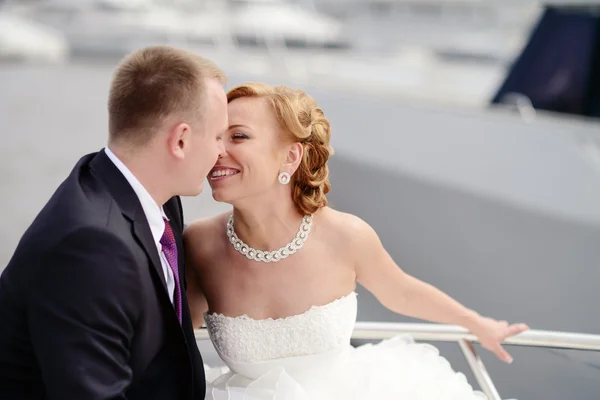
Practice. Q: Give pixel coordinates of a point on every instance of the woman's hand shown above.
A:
(492, 333)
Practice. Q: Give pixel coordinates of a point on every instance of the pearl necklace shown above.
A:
(270, 256)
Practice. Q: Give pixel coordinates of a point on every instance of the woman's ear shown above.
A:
(293, 157)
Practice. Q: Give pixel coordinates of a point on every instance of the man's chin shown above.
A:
(193, 192)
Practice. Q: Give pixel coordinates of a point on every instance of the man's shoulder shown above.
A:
(67, 231)
(63, 221)
(81, 203)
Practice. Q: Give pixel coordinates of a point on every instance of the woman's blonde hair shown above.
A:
(301, 119)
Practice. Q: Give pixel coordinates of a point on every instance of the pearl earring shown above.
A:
(284, 178)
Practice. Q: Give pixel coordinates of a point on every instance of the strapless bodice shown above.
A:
(320, 329)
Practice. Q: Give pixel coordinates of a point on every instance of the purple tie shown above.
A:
(169, 247)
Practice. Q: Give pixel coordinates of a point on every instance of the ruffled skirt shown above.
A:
(397, 368)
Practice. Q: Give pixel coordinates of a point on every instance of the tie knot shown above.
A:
(168, 238)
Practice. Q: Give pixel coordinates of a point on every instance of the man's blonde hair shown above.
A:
(153, 83)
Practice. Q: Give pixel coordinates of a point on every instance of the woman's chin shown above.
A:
(221, 195)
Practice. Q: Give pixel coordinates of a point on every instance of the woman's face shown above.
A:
(254, 152)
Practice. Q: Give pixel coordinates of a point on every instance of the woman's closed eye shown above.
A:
(239, 136)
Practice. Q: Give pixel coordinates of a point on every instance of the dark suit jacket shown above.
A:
(84, 310)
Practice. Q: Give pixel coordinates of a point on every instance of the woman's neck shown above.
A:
(267, 227)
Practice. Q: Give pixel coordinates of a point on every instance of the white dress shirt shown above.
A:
(154, 215)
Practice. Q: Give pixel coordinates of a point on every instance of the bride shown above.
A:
(274, 280)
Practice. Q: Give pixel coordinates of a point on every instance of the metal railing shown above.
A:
(453, 333)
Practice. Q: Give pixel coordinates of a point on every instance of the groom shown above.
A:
(92, 303)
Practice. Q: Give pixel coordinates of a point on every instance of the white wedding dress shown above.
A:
(309, 357)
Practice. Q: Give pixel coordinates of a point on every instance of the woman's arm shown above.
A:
(404, 294)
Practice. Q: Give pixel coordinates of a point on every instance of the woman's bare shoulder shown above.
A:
(204, 235)
(342, 223)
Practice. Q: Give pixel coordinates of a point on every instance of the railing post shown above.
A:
(479, 370)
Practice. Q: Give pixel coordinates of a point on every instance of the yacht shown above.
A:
(116, 27)
(23, 40)
(294, 24)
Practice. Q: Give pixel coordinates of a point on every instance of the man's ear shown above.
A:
(179, 139)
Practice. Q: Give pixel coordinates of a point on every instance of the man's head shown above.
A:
(167, 113)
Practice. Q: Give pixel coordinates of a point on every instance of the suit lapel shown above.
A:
(144, 236)
(131, 208)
